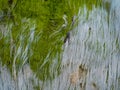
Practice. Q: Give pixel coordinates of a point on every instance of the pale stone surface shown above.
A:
(90, 62)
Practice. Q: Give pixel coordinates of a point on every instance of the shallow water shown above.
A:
(90, 61)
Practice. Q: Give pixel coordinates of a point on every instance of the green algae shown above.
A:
(44, 50)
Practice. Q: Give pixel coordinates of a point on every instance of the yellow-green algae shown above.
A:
(46, 16)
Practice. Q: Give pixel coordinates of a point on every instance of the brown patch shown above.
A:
(80, 73)
(94, 85)
(81, 85)
(74, 77)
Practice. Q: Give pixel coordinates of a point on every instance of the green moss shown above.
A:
(47, 16)
(37, 88)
